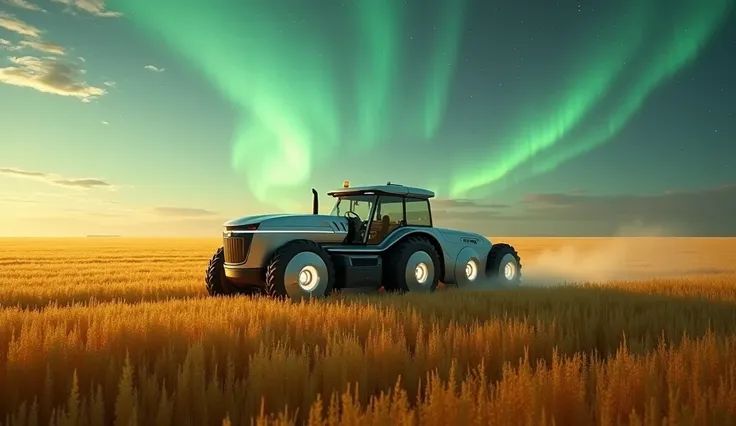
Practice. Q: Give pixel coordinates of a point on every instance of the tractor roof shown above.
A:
(390, 189)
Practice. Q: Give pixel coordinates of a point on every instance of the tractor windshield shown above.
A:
(361, 205)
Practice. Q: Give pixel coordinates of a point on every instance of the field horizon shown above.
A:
(620, 330)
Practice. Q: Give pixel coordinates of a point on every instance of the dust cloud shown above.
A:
(634, 254)
(612, 260)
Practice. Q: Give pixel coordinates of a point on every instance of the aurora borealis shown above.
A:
(311, 81)
(289, 83)
(617, 79)
(239, 107)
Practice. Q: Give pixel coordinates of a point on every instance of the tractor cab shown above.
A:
(374, 212)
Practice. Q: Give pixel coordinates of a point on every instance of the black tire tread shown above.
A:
(217, 284)
(394, 276)
(494, 257)
(280, 259)
(213, 279)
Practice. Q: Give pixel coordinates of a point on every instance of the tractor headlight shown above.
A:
(239, 230)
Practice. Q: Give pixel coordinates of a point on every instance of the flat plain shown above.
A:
(604, 331)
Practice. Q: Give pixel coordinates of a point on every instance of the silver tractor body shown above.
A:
(375, 236)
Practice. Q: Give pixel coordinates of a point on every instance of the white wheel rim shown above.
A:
(509, 271)
(308, 278)
(421, 272)
(471, 270)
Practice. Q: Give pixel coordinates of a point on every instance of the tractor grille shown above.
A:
(236, 248)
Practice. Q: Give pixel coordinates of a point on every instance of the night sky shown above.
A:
(530, 117)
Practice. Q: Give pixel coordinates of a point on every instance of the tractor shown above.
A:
(374, 236)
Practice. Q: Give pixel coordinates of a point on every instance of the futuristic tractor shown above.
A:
(374, 236)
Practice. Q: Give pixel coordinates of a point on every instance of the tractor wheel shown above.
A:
(503, 267)
(215, 280)
(412, 266)
(300, 269)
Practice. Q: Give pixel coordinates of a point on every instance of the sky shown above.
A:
(533, 117)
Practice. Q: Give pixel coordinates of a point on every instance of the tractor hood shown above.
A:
(291, 221)
(253, 220)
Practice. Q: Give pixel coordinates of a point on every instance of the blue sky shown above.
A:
(167, 118)
(121, 121)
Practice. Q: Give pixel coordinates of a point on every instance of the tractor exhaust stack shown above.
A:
(315, 202)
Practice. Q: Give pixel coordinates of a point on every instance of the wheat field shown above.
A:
(119, 331)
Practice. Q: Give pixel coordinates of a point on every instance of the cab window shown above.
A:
(358, 204)
(417, 212)
(389, 216)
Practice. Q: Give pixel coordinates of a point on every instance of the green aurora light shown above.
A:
(259, 61)
(544, 141)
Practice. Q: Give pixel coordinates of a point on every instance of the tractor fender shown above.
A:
(430, 234)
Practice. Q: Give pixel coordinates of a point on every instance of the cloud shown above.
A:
(24, 4)
(182, 212)
(154, 68)
(40, 45)
(11, 23)
(461, 209)
(704, 204)
(43, 46)
(93, 7)
(81, 183)
(49, 75)
(85, 183)
(110, 83)
(16, 198)
(23, 173)
(466, 204)
(704, 212)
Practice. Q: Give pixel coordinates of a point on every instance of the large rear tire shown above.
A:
(503, 267)
(412, 265)
(300, 269)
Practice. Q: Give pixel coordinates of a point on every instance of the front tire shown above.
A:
(503, 267)
(300, 269)
(215, 280)
(412, 266)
